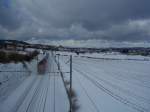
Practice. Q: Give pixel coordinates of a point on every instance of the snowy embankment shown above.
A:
(11, 76)
(110, 85)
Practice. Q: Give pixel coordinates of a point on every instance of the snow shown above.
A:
(109, 55)
(38, 93)
(109, 82)
(10, 80)
(110, 85)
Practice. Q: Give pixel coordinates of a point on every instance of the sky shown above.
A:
(77, 22)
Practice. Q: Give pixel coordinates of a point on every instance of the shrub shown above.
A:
(7, 57)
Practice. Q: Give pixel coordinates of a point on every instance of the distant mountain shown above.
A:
(13, 42)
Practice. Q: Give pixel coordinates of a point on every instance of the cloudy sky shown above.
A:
(77, 22)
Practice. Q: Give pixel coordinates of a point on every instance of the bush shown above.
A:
(7, 57)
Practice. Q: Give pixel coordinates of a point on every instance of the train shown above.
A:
(43, 65)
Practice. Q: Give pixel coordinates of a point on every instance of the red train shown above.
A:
(42, 65)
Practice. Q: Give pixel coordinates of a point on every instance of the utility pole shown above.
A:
(58, 63)
(70, 83)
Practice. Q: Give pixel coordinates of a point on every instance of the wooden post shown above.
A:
(70, 83)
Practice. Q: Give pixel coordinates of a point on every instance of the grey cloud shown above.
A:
(92, 14)
(8, 16)
(104, 13)
(114, 20)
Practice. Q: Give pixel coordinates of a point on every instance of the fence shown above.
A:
(68, 91)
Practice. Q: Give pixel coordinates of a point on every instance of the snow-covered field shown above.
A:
(109, 82)
(109, 55)
(108, 85)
